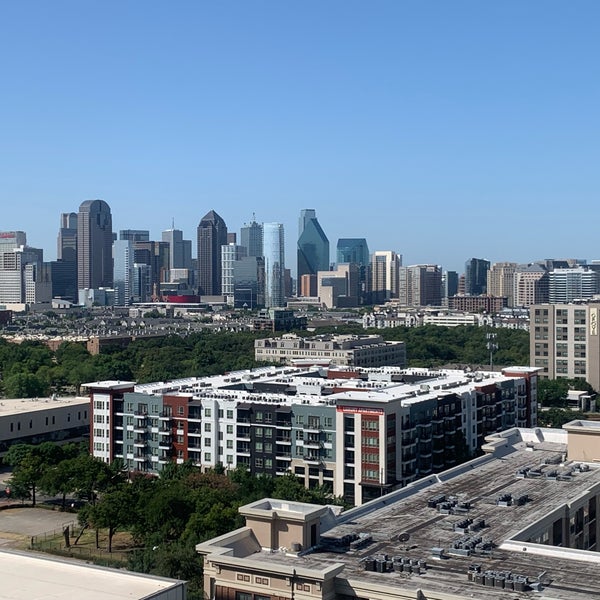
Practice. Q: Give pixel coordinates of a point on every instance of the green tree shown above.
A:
(112, 511)
(29, 465)
(557, 417)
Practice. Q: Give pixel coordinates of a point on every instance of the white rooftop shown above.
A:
(17, 406)
(32, 577)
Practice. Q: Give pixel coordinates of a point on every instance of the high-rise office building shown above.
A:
(94, 245)
(66, 248)
(356, 251)
(501, 280)
(450, 284)
(476, 276)
(251, 235)
(123, 257)
(313, 245)
(352, 250)
(156, 256)
(134, 235)
(384, 275)
(420, 285)
(64, 269)
(249, 282)
(9, 240)
(180, 250)
(530, 285)
(274, 260)
(230, 253)
(212, 235)
(566, 285)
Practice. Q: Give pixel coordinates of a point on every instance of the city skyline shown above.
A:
(433, 130)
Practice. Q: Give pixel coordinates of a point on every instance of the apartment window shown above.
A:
(230, 444)
(220, 413)
(230, 414)
(259, 432)
(207, 442)
(207, 412)
(261, 580)
(268, 432)
(230, 429)
(242, 577)
(258, 446)
(207, 456)
(180, 411)
(259, 416)
(258, 462)
(207, 427)
(229, 459)
(300, 420)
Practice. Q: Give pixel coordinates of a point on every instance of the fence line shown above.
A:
(53, 541)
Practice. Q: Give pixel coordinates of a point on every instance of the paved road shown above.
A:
(16, 523)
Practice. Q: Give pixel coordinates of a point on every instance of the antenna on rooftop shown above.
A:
(172, 222)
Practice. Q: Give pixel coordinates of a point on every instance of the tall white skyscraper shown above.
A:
(274, 256)
(123, 272)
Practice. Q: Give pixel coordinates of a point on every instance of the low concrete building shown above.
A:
(520, 519)
(37, 420)
(26, 576)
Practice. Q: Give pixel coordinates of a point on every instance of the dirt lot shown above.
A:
(17, 525)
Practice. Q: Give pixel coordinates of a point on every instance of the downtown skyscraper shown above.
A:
(212, 235)
(313, 245)
(274, 261)
(94, 245)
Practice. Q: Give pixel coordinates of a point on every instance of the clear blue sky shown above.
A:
(442, 130)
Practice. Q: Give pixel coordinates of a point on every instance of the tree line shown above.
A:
(32, 369)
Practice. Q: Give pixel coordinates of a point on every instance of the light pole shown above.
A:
(492, 346)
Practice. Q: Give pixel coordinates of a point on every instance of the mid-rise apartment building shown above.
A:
(362, 432)
(565, 341)
(350, 350)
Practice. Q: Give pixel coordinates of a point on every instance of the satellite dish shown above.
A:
(403, 537)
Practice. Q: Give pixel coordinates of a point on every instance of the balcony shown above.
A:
(312, 428)
(164, 431)
(165, 416)
(283, 440)
(287, 456)
(313, 459)
(165, 443)
(313, 444)
(139, 429)
(140, 458)
(139, 442)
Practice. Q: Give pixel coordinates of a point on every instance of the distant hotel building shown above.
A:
(565, 341)
(349, 350)
(362, 432)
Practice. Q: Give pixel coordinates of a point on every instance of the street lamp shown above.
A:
(492, 346)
